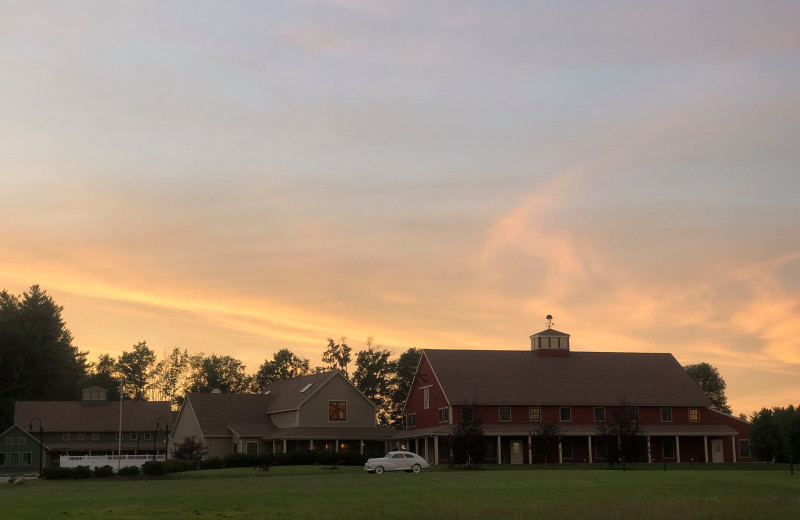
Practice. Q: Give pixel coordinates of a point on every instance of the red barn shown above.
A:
(514, 393)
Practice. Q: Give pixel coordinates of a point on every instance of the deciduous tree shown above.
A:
(405, 368)
(622, 435)
(135, 368)
(375, 377)
(284, 365)
(337, 356)
(711, 383)
(775, 434)
(223, 373)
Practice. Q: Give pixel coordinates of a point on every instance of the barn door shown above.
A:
(716, 451)
(516, 451)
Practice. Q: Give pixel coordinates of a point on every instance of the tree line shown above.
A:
(39, 362)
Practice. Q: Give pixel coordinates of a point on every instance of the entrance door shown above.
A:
(516, 451)
(716, 451)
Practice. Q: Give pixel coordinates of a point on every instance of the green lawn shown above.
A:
(315, 492)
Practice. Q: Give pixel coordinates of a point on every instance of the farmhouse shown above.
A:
(519, 395)
(89, 427)
(319, 412)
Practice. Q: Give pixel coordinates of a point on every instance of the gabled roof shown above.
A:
(583, 378)
(77, 416)
(287, 394)
(215, 412)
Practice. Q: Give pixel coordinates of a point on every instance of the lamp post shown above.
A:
(41, 442)
(160, 429)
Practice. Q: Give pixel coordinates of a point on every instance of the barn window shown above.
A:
(466, 414)
(694, 414)
(666, 415)
(744, 448)
(535, 413)
(411, 420)
(505, 413)
(337, 410)
(426, 397)
(565, 413)
(599, 413)
(27, 459)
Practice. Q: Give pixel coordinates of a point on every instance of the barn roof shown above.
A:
(80, 416)
(582, 378)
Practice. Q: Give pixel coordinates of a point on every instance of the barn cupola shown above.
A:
(550, 342)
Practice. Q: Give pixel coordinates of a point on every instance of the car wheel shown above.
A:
(415, 468)
(379, 470)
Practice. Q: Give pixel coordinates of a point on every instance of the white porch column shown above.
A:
(284, 445)
(416, 445)
(435, 449)
(530, 451)
(361, 445)
(705, 448)
(560, 457)
(273, 446)
(590, 448)
(677, 449)
(733, 449)
(311, 444)
(499, 451)
(649, 452)
(425, 447)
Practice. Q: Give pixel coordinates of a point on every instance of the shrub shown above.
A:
(129, 471)
(103, 471)
(56, 472)
(154, 467)
(81, 472)
(178, 465)
(212, 463)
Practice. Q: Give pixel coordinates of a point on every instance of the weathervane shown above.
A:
(549, 319)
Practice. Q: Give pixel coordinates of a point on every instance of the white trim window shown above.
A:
(666, 414)
(694, 414)
(599, 414)
(504, 413)
(426, 397)
(535, 413)
(411, 420)
(95, 436)
(444, 414)
(744, 448)
(565, 413)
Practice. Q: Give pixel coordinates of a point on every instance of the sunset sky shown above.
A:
(238, 177)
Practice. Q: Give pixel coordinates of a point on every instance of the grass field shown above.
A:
(316, 492)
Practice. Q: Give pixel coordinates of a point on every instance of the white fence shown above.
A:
(93, 461)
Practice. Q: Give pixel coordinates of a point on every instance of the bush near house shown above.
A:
(294, 459)
(129, 471)
(103, 471)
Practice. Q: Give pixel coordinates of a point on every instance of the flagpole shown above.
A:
(119, 448)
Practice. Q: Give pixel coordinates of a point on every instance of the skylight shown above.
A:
(306, 387)
(268, 391)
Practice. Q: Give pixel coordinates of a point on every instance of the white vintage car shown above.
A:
(396, 461)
